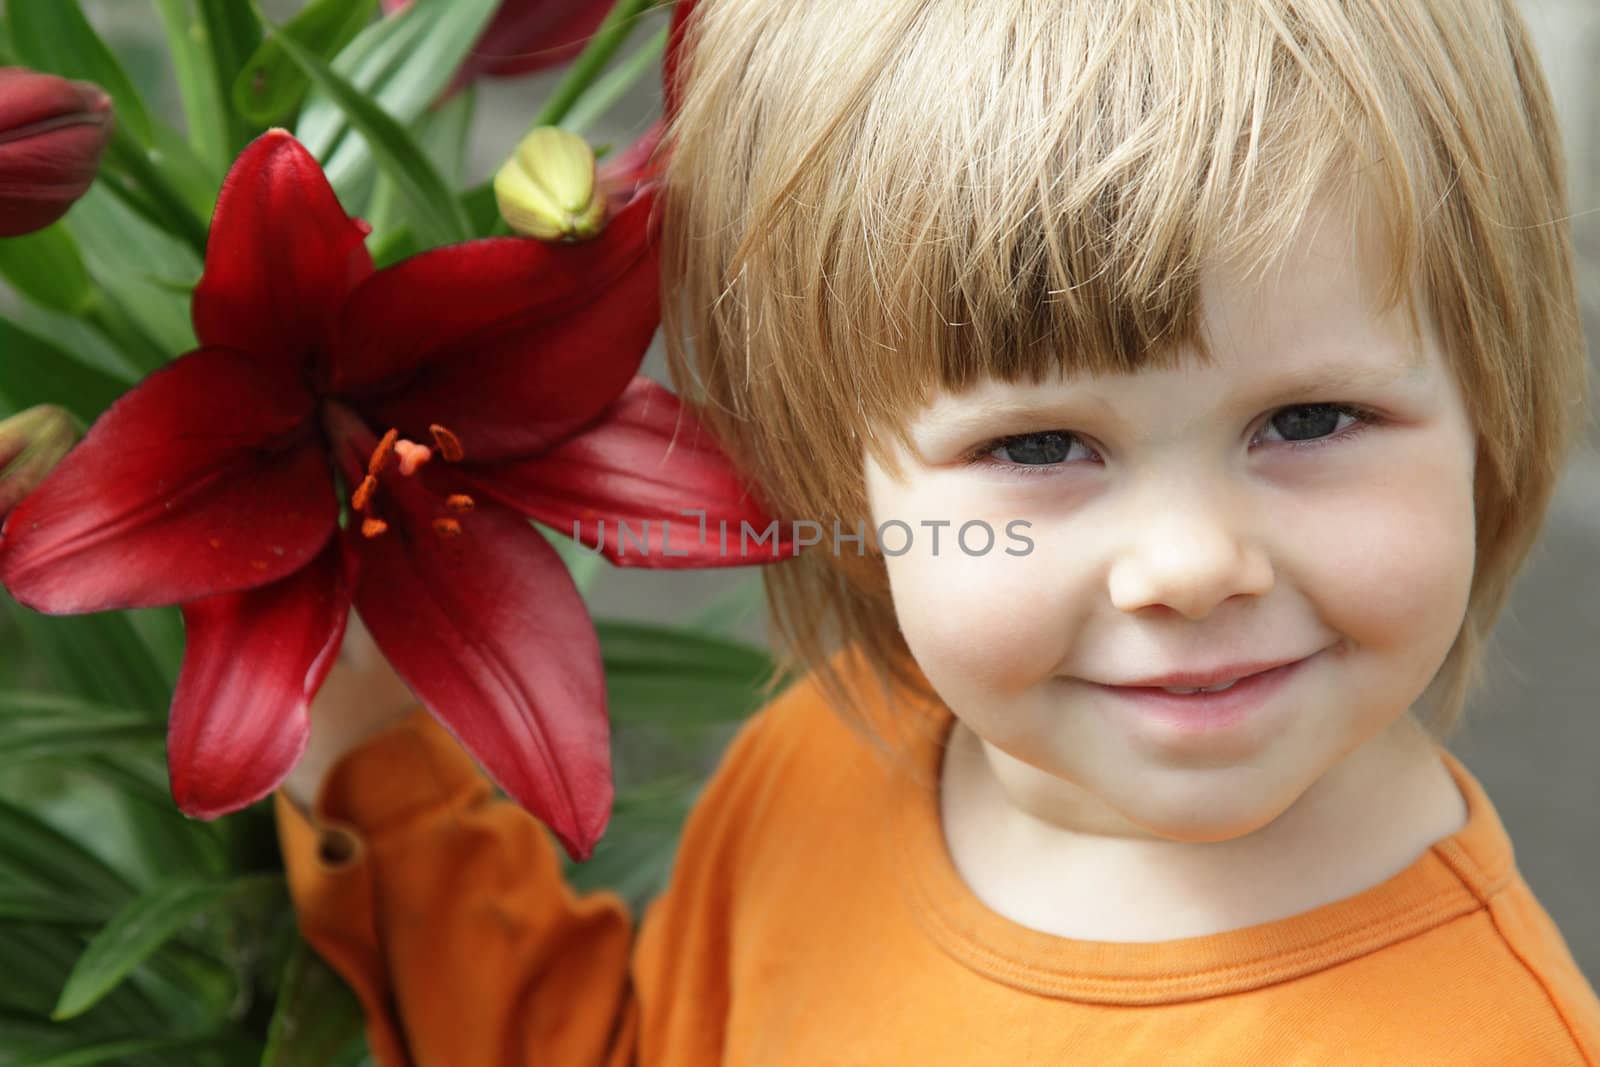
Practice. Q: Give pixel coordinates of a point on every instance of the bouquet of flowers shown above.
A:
(315, 376)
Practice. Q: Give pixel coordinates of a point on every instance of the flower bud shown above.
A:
(547, 188)
(32, 442)
(52, 134)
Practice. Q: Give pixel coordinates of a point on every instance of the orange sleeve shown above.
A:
(445, 910)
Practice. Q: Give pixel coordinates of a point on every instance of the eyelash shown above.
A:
(980, 456)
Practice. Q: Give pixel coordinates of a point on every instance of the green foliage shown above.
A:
(271, 85)
(435, 213)
(132, 935)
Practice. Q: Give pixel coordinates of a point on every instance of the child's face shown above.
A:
(1176, 529)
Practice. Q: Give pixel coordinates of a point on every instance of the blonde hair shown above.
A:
(865, 201)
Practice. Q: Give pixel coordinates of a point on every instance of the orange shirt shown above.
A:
(815, 918)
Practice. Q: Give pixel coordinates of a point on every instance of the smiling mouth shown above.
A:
(1184, 690)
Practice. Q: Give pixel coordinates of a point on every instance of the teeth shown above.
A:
(1213, 689)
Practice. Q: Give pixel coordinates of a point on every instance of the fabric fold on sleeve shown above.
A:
(445, 909)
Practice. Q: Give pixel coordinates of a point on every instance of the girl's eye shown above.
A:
(1027, 453)
(1313, 425)
(1302, 426)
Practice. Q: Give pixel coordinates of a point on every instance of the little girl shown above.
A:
(1256, 321)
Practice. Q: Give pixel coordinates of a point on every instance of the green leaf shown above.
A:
(403, 63)
(634, 857)
(98, 657)
(45, 267)
(432, 203)
(34, 371)
(140, 928)
(233, 33)
(270, 85)
(483, 213)
(134, 173)
(69, 727)
(33, 853)
(729, 610)
(130, 258)
(116, 1052)
(204, 114)
(190, 176)
(37, 958)
(604, 94)
(482, 208)
(664, 676)
(441, 133)
(34, 905)
(578, 76)
(316, 1017)
(77, 338)
(53, 36)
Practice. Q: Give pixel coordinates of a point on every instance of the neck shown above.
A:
(1363, 822)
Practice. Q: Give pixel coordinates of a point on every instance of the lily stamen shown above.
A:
(380, 455)
(363, 494)
(447, 528)
(460, 503)
(371, 527)
(449, 444)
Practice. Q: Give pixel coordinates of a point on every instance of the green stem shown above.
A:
(613, 33)
(178, 217)
(608, 90)
(106, 315)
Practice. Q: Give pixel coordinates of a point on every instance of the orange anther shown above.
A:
(380, 455)
(447, 527)
(460, 503)
(371, 527)
(449, 444)
(412, 456)
(363, 493)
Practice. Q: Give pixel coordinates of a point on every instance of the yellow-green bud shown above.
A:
(547, 188)
(32, 442)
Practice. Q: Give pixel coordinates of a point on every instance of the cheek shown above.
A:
(984, 622)
(977, 623)
(1391, 561)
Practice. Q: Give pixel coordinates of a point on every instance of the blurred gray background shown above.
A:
(1533, 738)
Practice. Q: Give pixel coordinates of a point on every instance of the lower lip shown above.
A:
(1198, 713)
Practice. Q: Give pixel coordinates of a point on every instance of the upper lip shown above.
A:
(1213, 676)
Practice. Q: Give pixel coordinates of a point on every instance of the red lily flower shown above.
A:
(525, 36)
(448, 398)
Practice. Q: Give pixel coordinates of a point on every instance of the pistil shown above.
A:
(412, 456)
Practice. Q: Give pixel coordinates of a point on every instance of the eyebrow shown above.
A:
(1327, 384)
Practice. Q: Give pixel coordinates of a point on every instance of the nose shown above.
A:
(1188, 551)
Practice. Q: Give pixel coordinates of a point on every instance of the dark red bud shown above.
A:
(52, 134)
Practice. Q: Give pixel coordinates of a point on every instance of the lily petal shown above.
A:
(510, 343)
(492, 636)
(625, 175)
(646, 464)
(281, 257)
(672, 60)
(252, 661)
(206, 478)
